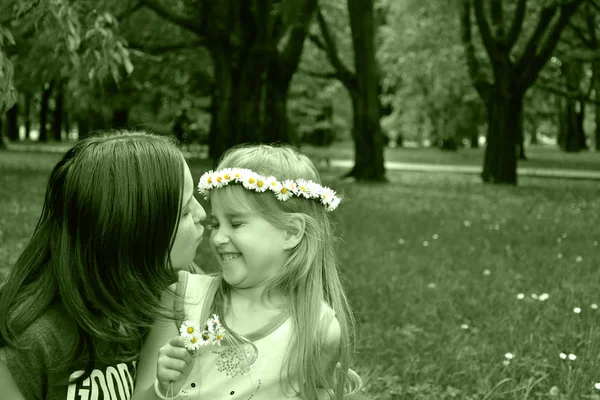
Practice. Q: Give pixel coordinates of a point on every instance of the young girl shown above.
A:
(286, 321)
(119, 218)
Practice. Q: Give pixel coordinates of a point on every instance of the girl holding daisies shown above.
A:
(275, 322)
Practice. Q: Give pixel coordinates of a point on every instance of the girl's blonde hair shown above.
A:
(310, 277)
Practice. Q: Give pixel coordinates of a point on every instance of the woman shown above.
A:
(119, 219)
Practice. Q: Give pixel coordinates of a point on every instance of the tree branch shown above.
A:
(497, 19)
(580, 34)
(515, 29)
(164, 12)
(531, 48)
(477, 78)
(539, 60)
(574, 95)
(159, 49)
(590, 22)
(136, 6)
(347, 77)
(486, 34)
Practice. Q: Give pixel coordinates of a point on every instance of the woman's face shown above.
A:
(189, 231)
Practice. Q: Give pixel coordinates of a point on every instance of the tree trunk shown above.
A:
(57, 116)
(276, 124)
(12, 126)
(43, 137)
(504, 126)
(368, 138)
(27, 116)
(2, 139)
(521, 145)
(475, 139)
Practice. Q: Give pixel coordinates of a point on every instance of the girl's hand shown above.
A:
(173, 366)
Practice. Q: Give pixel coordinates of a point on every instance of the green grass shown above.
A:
(435, 320)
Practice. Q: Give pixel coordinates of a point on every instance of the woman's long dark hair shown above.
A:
(100, 250)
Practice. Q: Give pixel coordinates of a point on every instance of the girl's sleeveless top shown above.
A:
(220, 371)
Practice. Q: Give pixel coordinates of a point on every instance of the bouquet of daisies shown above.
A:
(196, 336)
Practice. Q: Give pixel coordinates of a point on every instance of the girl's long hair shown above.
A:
(310, 278)
(100, 250)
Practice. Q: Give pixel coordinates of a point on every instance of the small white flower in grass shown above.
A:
(558, 240)
(564, 235)
(467, 223)
(597, 385)
(554, 391)
(401, 241)
(431, 285)
(572, 357)
(577, 310)
(563, 356)
(559, 255)
(506, 362)
(594, 306)
(520, 296)
(509, 356)
(435, 236)
(486, 272)
(425, 243)
(595, 243)
(578, 259)
(543, 297)
(534, 296)
(464, 326)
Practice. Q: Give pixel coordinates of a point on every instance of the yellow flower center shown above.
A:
(260, 184)
(219, 179)
(303, 188)
(193, 340)
(190, 329)
(219, 337)
(251, 180)
(209, 180)
(227, 176)
(283, 191)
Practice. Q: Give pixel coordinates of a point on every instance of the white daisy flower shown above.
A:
(286, 191)
(544, 297)
(597, 385)
(227, 175)
(219, 180)
(572, 357)
(261, 184)
(594, 306)
(577, 310)
(314, 190)
(327, 196)
(250, 180)
(521, 296)
(238, 174)
(205, 183)
(563, 356)
(509, 356)
(273, 184)
(193, 342)
(302, 188)
(189, 328)
(334, 204)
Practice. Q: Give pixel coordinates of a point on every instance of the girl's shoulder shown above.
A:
(331, 326)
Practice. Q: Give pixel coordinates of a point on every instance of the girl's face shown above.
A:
(249, 249)
(189, 231)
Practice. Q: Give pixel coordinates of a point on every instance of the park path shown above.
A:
(389, 165)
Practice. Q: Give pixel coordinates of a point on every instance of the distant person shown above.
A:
(119, 219)
(286, 320)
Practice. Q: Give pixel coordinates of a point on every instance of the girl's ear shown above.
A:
(295, 231)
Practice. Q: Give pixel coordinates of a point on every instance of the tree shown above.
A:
(255, 47)
(512, 74)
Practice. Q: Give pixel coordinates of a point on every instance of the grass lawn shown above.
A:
(434, 265)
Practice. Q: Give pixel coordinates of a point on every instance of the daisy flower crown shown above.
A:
(250, 180)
